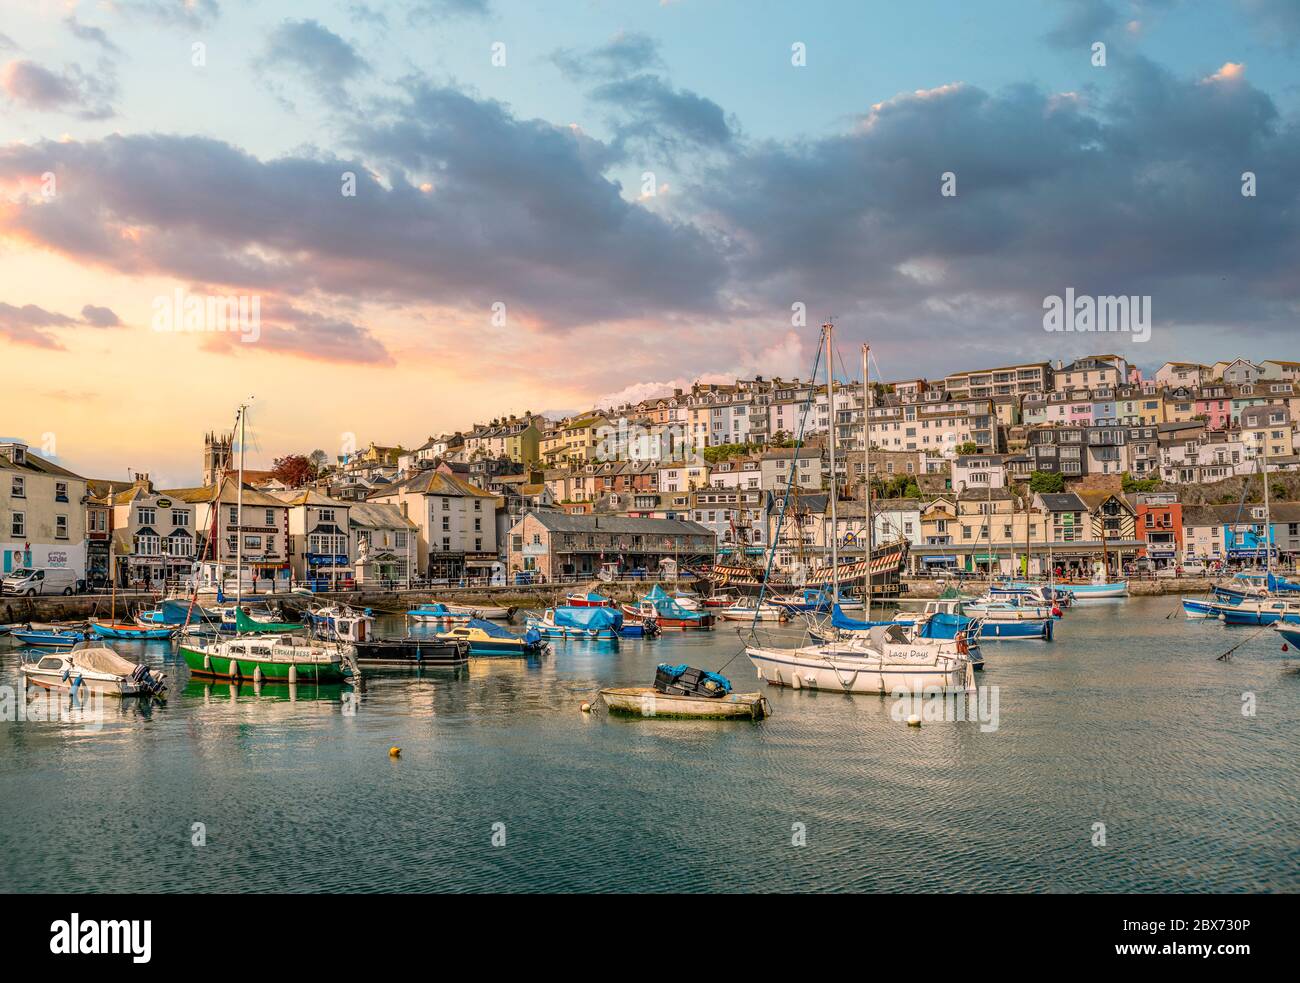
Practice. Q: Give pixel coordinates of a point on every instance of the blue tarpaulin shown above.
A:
(568, 617)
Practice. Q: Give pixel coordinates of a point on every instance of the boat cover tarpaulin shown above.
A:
(944, 625)
(489, 628)
(246, 625)
(1281, 584)
(568, 617)
(102, 660)
(841, 620)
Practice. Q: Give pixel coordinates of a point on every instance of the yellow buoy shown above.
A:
(394, 752)
(913, 721)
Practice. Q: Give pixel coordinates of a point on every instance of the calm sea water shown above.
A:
(1126, 720)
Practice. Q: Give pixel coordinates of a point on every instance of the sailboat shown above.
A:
(265, 650)
(890, 658)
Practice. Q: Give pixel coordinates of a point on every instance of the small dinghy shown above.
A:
(49, 638)
(682, 692)
(97, 670)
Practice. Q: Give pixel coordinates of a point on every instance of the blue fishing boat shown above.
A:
(592, 624)
(1195, 607)
(50, 638)
(129, 632)
(1264, 611)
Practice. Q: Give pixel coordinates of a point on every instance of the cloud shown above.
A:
(448, 8)
(31, 325)
(306, 48)
(189, 14)
(661, 114)
(624, 54)
(289, 330)
(99, 317)
(71, 91)
(520, 212)
(1140, 195)
(1275, 20)
(93, 35)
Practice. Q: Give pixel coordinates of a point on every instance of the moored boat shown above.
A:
(588, 599)
(592, 624)
(97, 670)
(646, 701)
(129, 632)
(436, 611)
(485, 638)
(49, 638)
(411, 653)
(286, 658)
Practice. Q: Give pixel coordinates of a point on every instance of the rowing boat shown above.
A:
(646, 701)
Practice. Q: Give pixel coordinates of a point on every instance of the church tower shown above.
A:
(216, 457)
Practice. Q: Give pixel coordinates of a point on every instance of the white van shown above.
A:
(31, 582)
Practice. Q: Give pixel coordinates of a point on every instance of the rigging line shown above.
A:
(809, 402)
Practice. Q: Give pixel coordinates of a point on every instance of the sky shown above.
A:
(436, 212)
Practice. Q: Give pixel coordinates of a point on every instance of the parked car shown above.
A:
(30, 582)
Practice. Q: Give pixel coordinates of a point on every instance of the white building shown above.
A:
(42, 513)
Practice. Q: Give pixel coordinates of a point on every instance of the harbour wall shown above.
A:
(19, 610)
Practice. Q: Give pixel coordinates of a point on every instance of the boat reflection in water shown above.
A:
(213, 691)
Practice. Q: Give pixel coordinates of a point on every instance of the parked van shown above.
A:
(31, 582)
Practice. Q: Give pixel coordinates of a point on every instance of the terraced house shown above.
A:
(42, 513)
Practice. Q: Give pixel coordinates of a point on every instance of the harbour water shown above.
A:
(1126, 720)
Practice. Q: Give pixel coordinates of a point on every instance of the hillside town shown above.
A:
(1068, 466)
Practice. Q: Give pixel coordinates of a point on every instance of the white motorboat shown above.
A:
(489, 612)
(97, 670)
(748, 609)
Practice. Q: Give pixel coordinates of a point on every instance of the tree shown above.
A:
(294, 470)
(1131, 484)
(1046, 483)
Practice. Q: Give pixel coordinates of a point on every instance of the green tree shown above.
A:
(1046, 483)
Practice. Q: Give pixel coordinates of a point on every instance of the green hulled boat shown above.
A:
(281, 658)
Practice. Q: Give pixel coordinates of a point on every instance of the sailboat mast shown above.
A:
(1268, 518)
(866, 471)
(827, 330)
(239, 512)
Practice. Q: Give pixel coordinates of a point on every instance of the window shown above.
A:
(18, 525)
(60, 527)
(19, 487)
